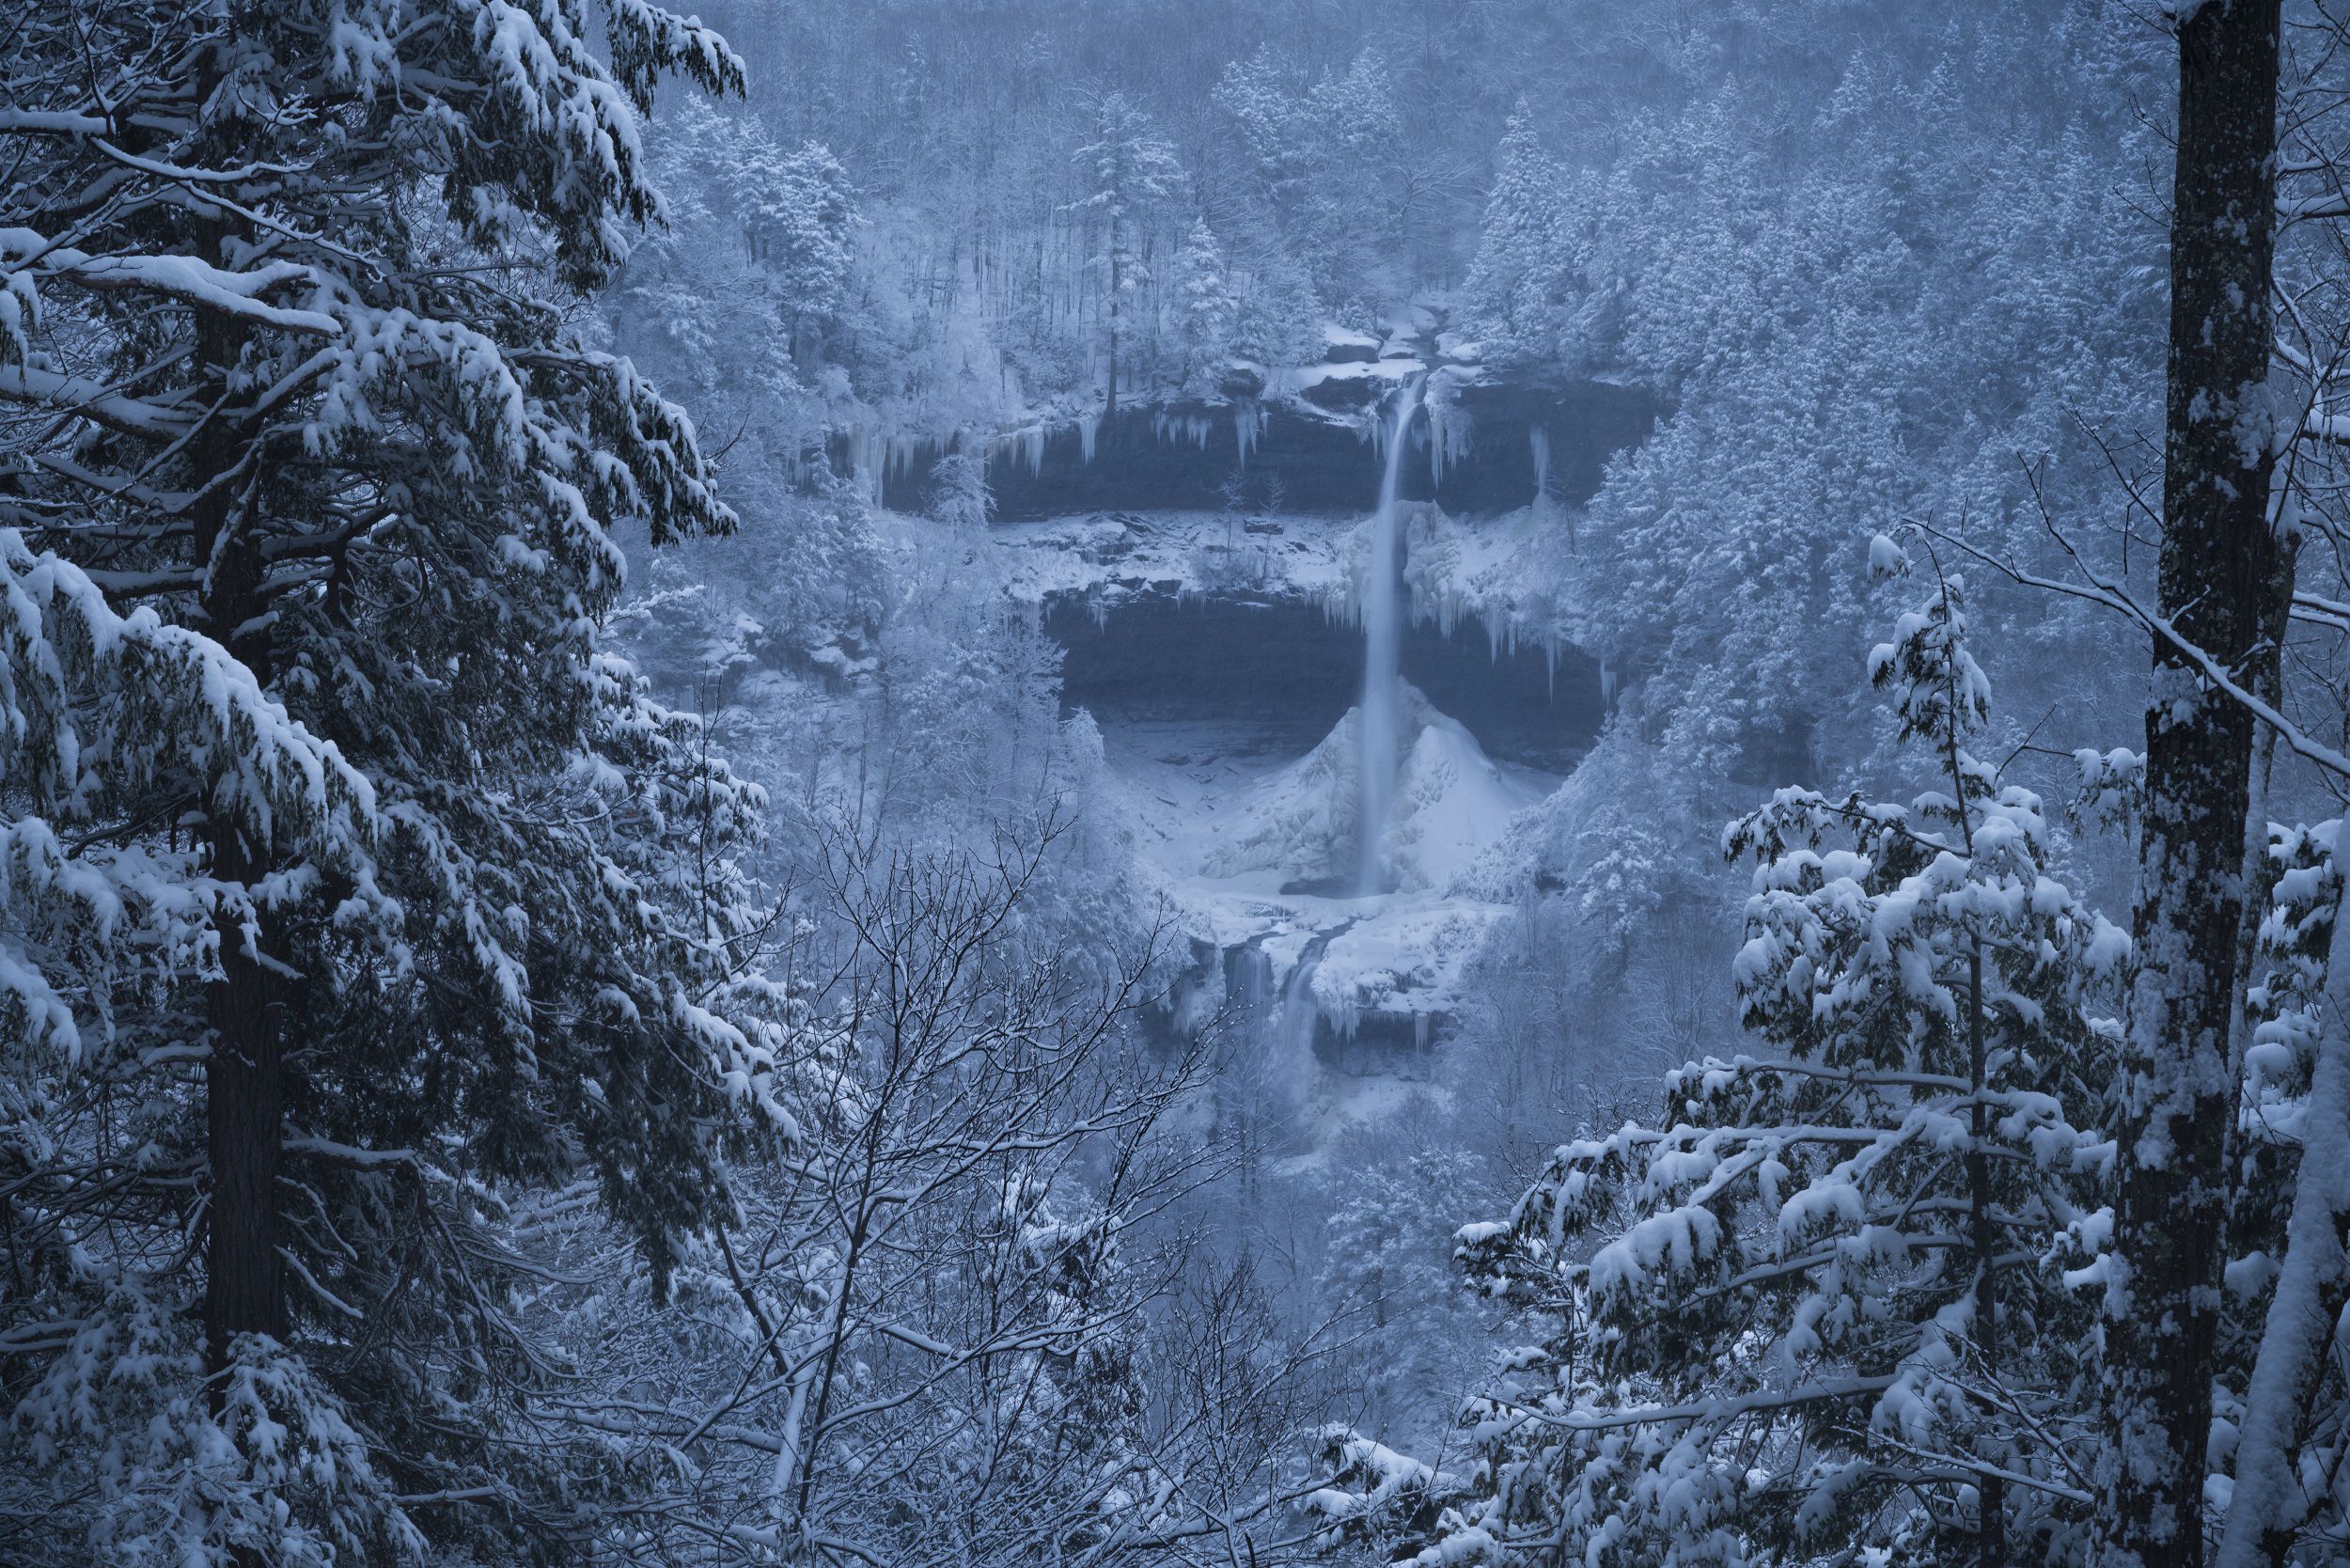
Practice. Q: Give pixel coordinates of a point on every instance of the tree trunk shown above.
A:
(1116, 277)
(1991, 1491)
(244, 1091)
(245, 1102)
(2223, 582)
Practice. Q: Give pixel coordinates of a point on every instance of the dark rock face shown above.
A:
(1575, 429)
(1282, 667)
(1189, 457)
(1310, 454)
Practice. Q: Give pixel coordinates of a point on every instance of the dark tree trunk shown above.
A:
(1109, 411)
(245, 1090)
(244, 1100)
(2224, 583)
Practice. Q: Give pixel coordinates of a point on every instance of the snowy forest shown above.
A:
(1166, 783)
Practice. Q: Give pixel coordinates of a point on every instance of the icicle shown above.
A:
(1248, 422)
(1167, 428)
(1024, 446)
(1607, 685)
(1538, 443)
(868, 462)
(1088, 431)
(900, 453)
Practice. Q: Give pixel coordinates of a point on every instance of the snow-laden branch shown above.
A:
(2113, 596)
(94, 400)
(189, 280)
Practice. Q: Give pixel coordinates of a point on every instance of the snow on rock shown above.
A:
(1299, 825)
(1458, 570)
(1110, 555)
(1257, 863)
(1250, 853)
(1411, 958)
(1299, 380)
(1345, 344)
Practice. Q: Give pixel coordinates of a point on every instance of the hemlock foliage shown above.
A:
(351, 885)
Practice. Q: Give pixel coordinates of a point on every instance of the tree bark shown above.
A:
(2224, 582)
(1109, 411)
(244, 1091)
(244, 1104)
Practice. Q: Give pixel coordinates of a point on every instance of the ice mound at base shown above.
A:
(1450, 803)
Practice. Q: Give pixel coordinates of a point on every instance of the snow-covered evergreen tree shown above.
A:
(1828, 1303)
(751, 289)
(958, 491)
(1329, 158)
(2289, 1281)
(351, 887)
(1525, 288)
(800, 221)
(1205, 315)
(1129, 171)
(1387, 1276)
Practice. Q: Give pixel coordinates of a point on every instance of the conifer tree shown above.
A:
(1206, 316)
(1518, 290)
(349, 885)
(2276, 1388)
(1131, 169)
(1824, 1304)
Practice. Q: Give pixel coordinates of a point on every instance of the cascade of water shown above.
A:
(1296, 1023)
(1380, 719)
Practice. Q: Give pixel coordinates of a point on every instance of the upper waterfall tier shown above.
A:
(1304, 449)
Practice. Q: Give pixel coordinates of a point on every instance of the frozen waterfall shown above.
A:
(1382, 645)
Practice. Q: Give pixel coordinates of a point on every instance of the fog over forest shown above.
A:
(1174, 783)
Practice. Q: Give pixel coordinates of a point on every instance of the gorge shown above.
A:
(1319, 717)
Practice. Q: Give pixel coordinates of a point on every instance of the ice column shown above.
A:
(1383, 652)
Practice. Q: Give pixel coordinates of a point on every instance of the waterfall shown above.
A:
(1377, 733)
